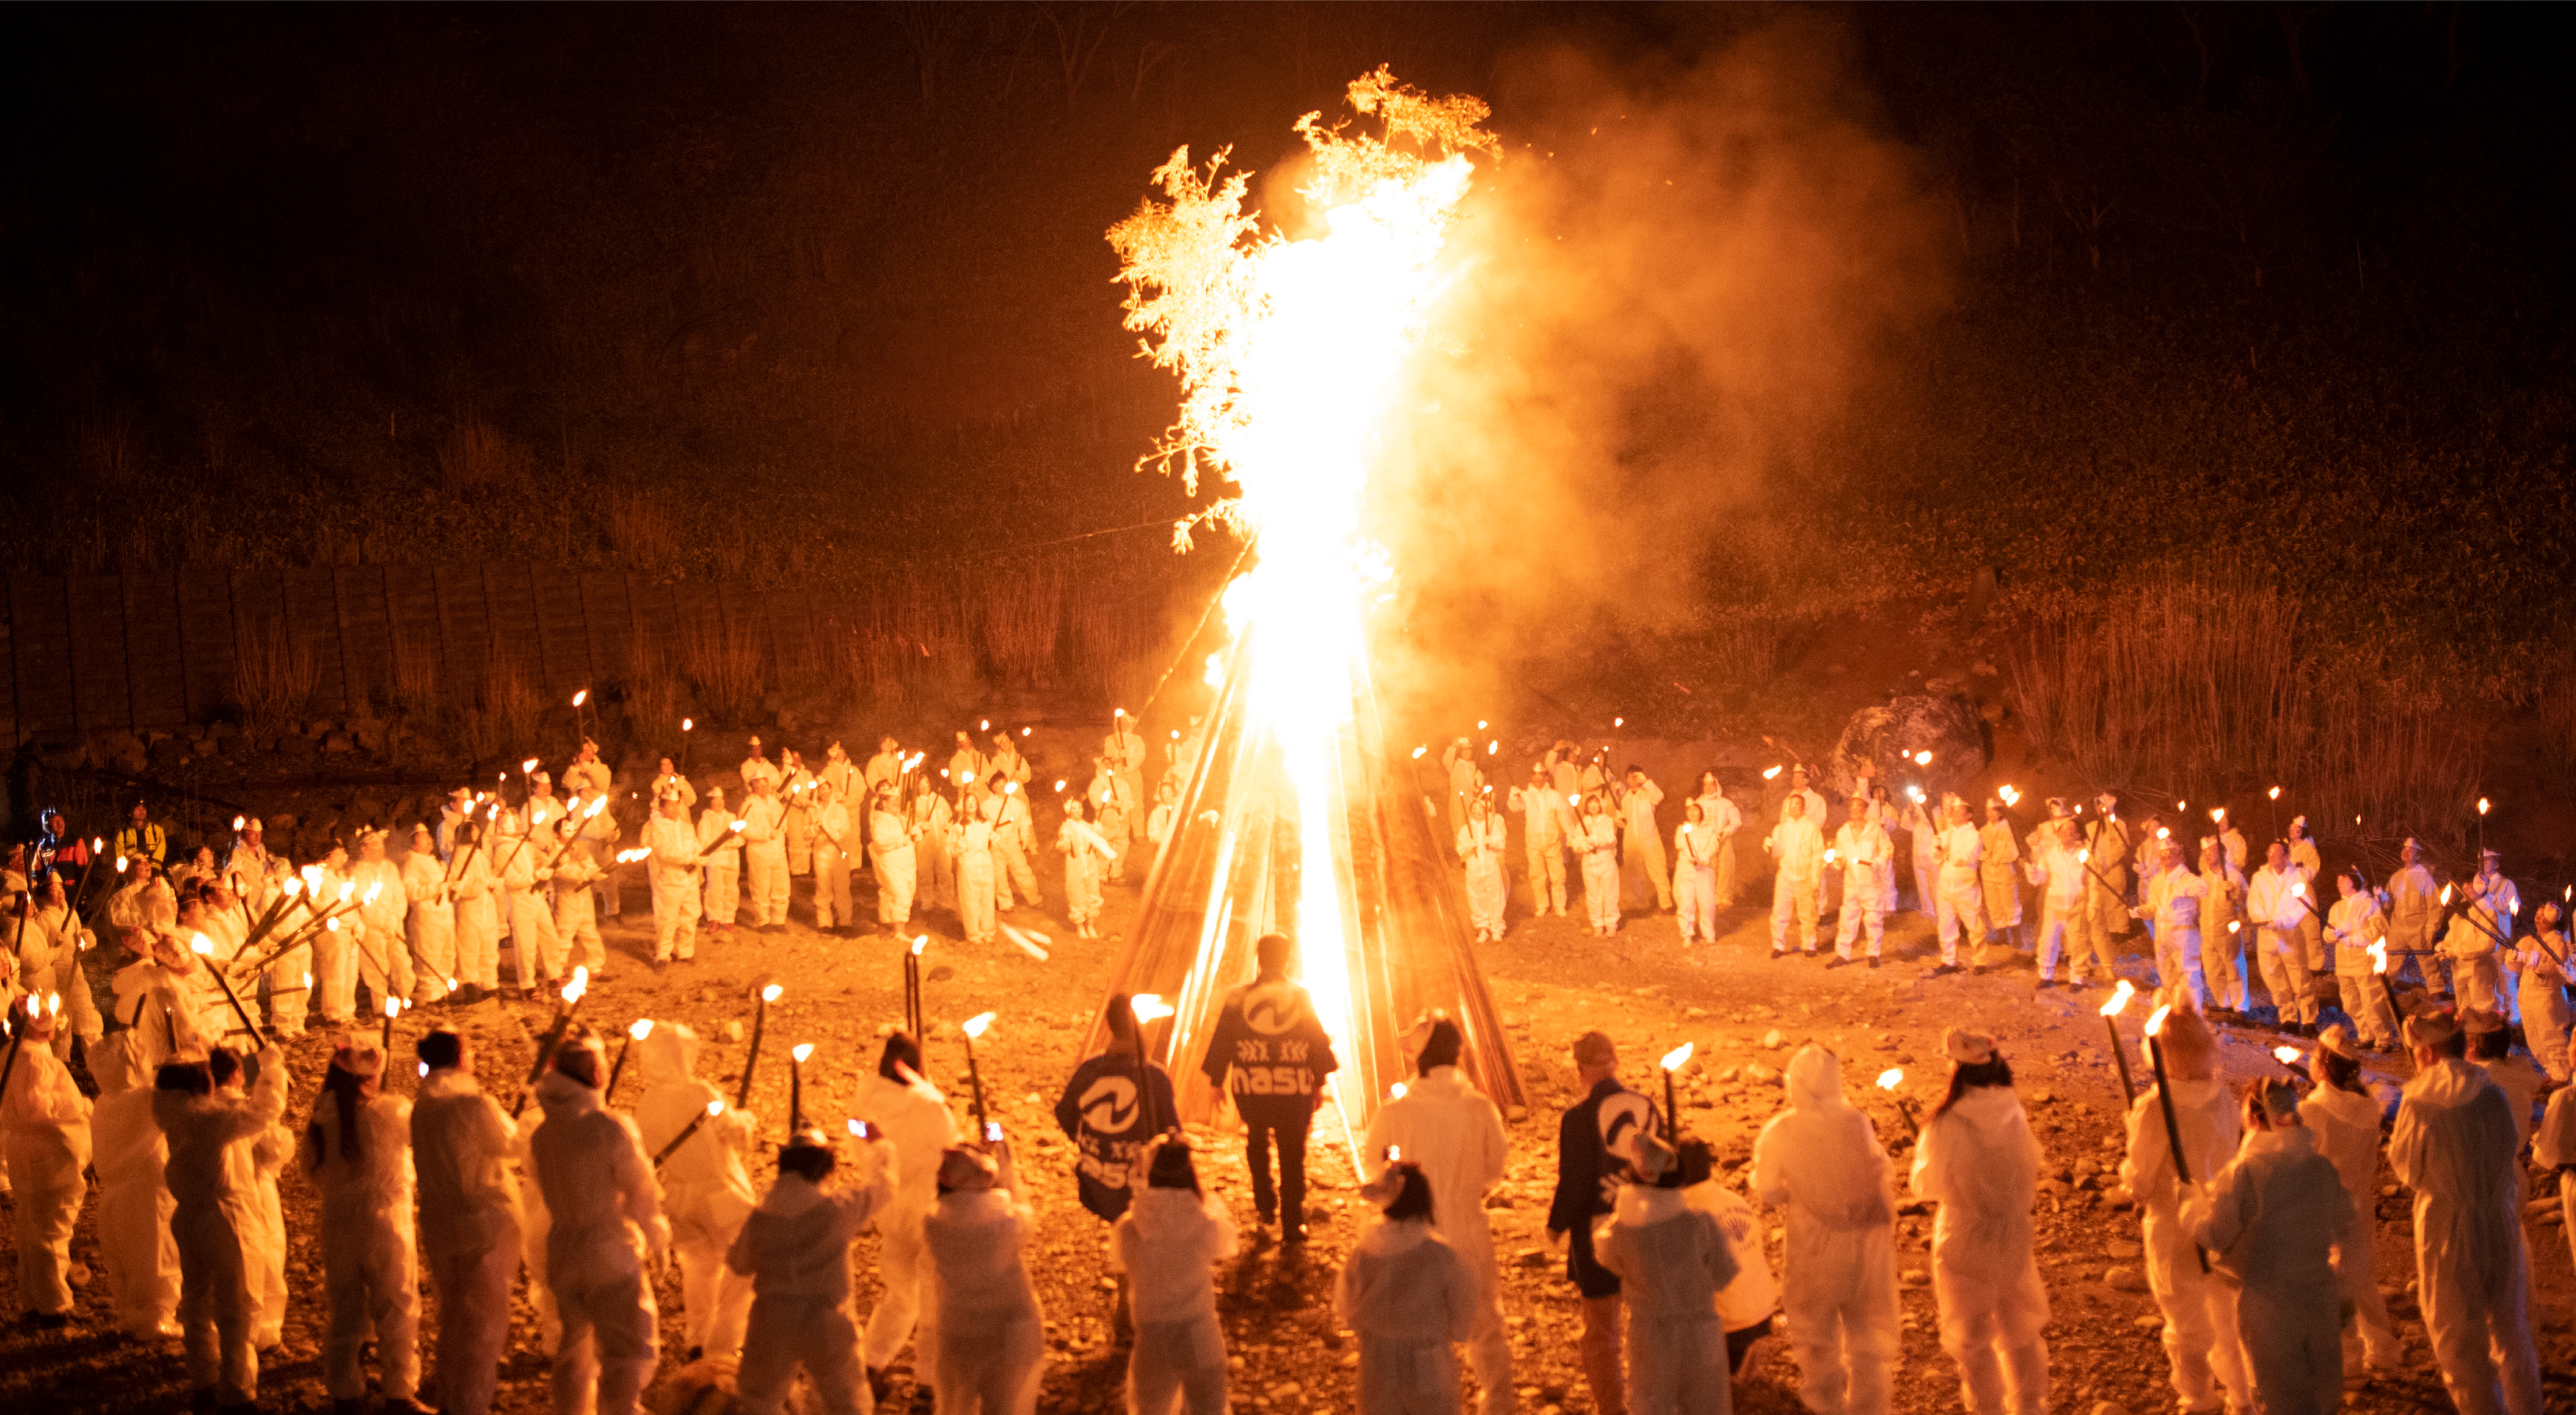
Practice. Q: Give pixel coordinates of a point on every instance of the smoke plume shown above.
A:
(1678, 283)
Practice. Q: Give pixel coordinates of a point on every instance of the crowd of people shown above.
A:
(2256, 1203)
(2067, 893)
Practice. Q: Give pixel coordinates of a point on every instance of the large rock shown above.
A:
(1882, 742)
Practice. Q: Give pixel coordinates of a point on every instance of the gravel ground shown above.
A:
(1745, 1013)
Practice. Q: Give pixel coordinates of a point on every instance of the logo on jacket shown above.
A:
(1274, 1010)
(1109, 1105)
(1623, 1116)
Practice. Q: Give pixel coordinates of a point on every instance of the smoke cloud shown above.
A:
(1678, 283)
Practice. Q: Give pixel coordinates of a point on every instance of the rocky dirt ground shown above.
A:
(1552, 980)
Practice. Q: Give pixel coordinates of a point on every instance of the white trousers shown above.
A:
(675, 912)
(2178, 961)
(1177, 1366)
(533, 939)
(715, 1301)
(766, 866)
(1839, 1293)
(1601, 888)
(2202, 1349)
(473, 1291)
(609, 1345)
(1677, 1366)
(988, 1369)
(1695, 901)
(787, 1332)
(724, 894)
(370, 1293)
(1990, 1325)
(1793, 898)
(141, 1258)
(831, 884)
(899, 1268)
(1547, 879)
(1861, 911)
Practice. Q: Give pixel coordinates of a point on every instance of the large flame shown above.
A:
(1289, 353)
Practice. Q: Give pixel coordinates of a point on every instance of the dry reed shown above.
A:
(273, 677)
(511, 707)
(1020, 610)
(644, 531)
(722, 660)
(477, 457)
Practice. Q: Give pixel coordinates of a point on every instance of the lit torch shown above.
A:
(2164, 1101)
(974, 1028)
(759, 1023)
(572, 995)
(796, 1085)
(1674, 1061)
(642, 1028)
(2111, 1011)
(1888, 1081)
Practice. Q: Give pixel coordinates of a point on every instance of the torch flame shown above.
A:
(580, 984)
(771, 992)
(581, 697)
(1771, 774)
(373, 890)
(2120, 996)
(643, 1028)
(1418, 751)
(919, 944)
(714, 1109)
(2276, 793)
(2009, 795)
(2446, 894)
(1679, 1056)
(687, 723)
(2378, 956)
(976, 1024)
(2156, 1023)
(2288, 1056)
(801, 1051)
(202, 945)
(1922, 758)
(2482, 805)
(392, 1008)
(347, 888)
(1891, 1078)
(1150, 1007)
(527, 766)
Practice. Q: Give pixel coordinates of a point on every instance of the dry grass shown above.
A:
(722, 661)
(511, 708)
(415, 673)
(1021, 611)
(644, 531)
(477, 458)
(273, 676)
(652, 690)
(2184, 689)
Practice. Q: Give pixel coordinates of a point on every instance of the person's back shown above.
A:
(1408, 1295)
(990, 1344)
(706, 1192)
(1271, 1054)
(1821, 1162)
(2269, 1221)
(604, 1214)
(1979, 1161)
(1165, 1245)
(795, 1248)
(134, 1206)
(470, 1220)
(911, 1113)
(2454, 1146)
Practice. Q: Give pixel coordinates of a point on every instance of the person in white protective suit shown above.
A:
(357, 1152)
(283, 981)
(2454, 1146)
(1483, 843)
(1727, 818)
(606, 1222)
(1797, 849)
(2344, 1116)
(2353, 924)
(1547, 824)
(721, 847)
(53, 966)
(1596, 838)
(1645, 869)
(1863, 851)
(932, 827)
(530, 895)
(912, 1113)
(2276, 902)
(2502, 898)
(1979, 1161)
(44, 1121)
(1114, 805)
(1015, 843)
(2270, 1221)
(2543, 966)
(2555, 1147)
(891, 856)
(978, 874)
(1086, 852)
(2414, 902)
(374, 927)
(1821, 1162)
(2170, 901)
(1999, 876)
(431, 903)
(270, 1152)
(213, 1182)
(1695, 845)
(2222, 929)
(795, 1246)
(1958, 890)
(706, 1191)
(836, 841)
(2058, 874)
(2469, 945)
(764, 856)
(476, 889)
(1165, 1245)
(1408, 1296)
(574, 876)
(988, 1343)
(1445, 1125)
(134, 1208)
(673, 869)
(1672, 1259)
(469, 1220)
(2491, 1051)
(2202, 1351)
(1167, 810)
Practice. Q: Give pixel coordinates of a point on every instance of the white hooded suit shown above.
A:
(706, 1192)
(1447, 1126)
(1820, 1161)
(1980, 1162)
